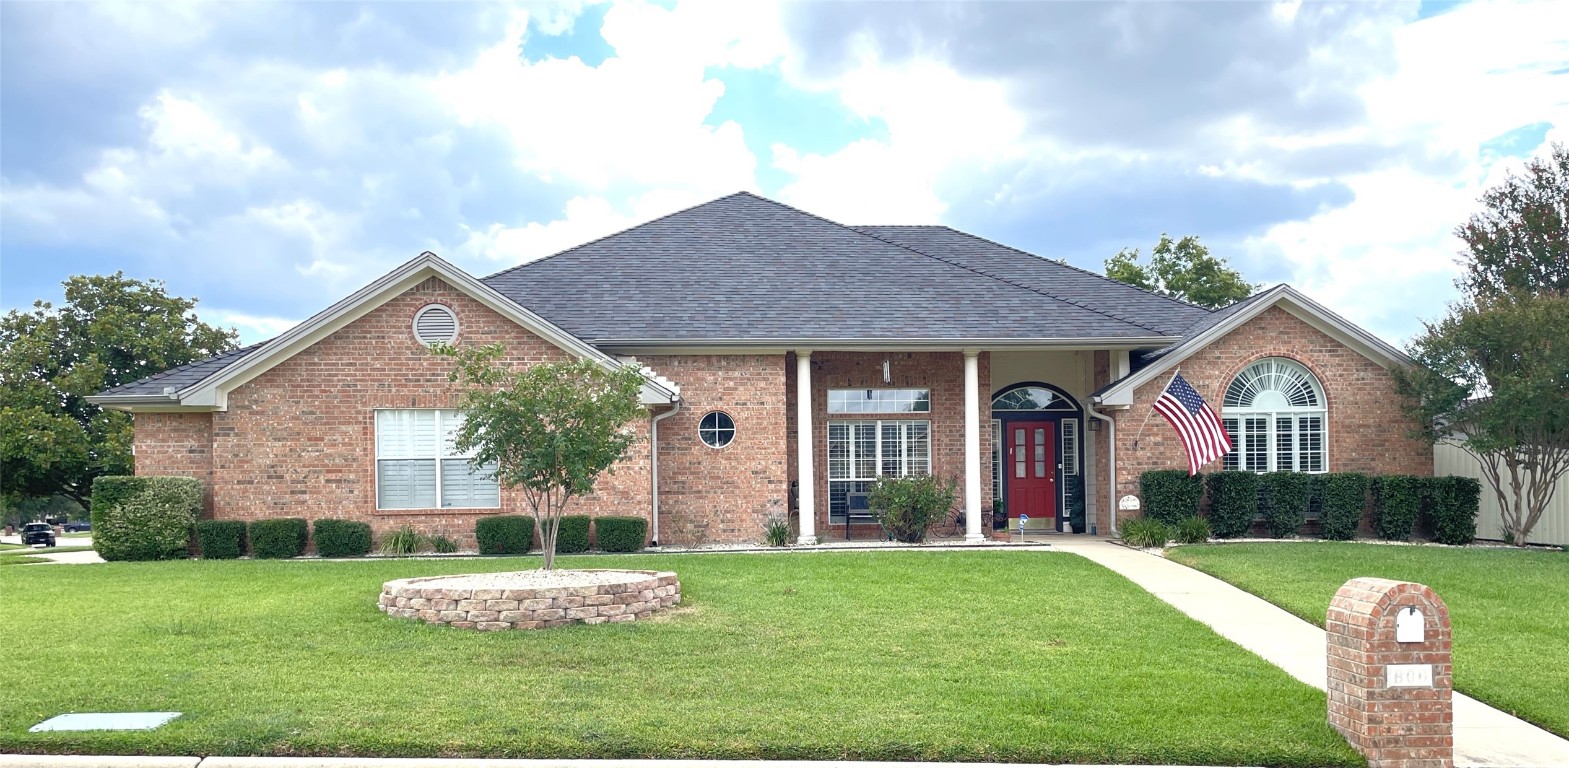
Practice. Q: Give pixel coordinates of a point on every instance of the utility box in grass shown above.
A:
(1390, 676)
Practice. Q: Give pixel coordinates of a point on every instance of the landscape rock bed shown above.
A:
(531, 599)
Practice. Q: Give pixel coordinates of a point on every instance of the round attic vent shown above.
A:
(435, 323)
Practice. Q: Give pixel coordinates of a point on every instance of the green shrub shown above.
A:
(505, 534)
(220, 539)
(1233, 503)
(442, 545)
(1451, 509)
(1171, 494)
(776, 531)
(144, 518)
(1344, 502)
(281, 537)
(404, 541)
(1145, 532)
(1397, 501)
(342, 538)
(1284, 498)
(620, 534)
(573, 536)
(1191, 530)
(907, 506)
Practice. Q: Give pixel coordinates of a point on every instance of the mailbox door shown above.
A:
(1030, 463)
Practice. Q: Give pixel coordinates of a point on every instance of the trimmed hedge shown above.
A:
(281, 537)
(220, 539)
(1170, 494)
(1344, 500)
(341, 538)
(1233, 502)
(505, 534)
(621, 534)
(144, 518)
(573, 536)
(1451, 508)
(1284, 498)
(1397, 501)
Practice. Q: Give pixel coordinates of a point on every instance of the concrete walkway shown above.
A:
(67, 761)
(1483, 736)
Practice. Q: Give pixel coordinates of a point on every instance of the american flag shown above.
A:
(1202, 434)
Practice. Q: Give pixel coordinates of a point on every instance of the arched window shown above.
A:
(1276, 415)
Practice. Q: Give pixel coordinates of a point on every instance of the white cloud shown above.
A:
(1389, 256)
(252, 328)
(585, 219)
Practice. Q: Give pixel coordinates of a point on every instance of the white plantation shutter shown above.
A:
(418, 467)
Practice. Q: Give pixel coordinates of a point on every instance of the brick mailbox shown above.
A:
(1390, 677)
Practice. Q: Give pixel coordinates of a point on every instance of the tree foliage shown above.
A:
(1519, 243)
(1493, 375)
(111, 330)
(1182, 269)
(1494, 378)
(550, 429)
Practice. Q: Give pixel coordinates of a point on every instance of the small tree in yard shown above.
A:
(1493, 376)
(550, 429)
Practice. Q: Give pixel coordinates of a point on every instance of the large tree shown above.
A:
(1493, 375)
(1182, 269)
(111, 330)
(1517, 244)
(550, 429)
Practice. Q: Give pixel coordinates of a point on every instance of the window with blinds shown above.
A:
(418, 467)
(859, 452)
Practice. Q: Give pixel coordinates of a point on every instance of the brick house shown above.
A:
(791, 361)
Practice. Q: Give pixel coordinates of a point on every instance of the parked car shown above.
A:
(78, 525)
(38, 533)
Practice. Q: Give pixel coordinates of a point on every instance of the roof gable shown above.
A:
(1210, 329)
(206, 384)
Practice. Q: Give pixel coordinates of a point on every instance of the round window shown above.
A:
(716, 429)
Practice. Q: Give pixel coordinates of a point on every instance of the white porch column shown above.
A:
(972, 448)
(806, 493)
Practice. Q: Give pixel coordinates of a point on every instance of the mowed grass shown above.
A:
(1509, 609)
(1013, 656)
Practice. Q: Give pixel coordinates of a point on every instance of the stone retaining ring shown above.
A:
(531, 599)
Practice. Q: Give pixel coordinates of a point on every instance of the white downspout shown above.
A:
(653, 468)
(1111, 473)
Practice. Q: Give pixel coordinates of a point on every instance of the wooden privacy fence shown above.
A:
(1553, 528)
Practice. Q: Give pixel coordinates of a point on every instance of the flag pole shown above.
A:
(1147, 416)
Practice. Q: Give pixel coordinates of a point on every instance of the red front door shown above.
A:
(1030, 464)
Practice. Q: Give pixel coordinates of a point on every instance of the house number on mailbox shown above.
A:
(1409, 627)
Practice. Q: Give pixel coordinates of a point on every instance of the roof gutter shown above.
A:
(781, 345)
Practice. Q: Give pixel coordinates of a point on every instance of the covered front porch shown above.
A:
(1012, 428)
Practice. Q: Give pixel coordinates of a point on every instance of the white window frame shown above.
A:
(440, 456)
(878, 459)
(840, 401)
(1234, 417)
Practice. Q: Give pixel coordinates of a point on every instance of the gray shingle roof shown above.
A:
(182, 376)
(1053, 278)
(746, 268)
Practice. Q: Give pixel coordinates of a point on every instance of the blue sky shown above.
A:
(271, 158)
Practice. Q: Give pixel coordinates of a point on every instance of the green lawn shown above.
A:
(1015, 656)
(1509, 608)
(19, 551)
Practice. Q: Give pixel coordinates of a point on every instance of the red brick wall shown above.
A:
(1366, 429)
(299, 440)
(722, 495)
(941, 372)
(175, 444)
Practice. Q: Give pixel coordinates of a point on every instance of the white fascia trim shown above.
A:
(213, 391)
(1292, 301)
(781, 346)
